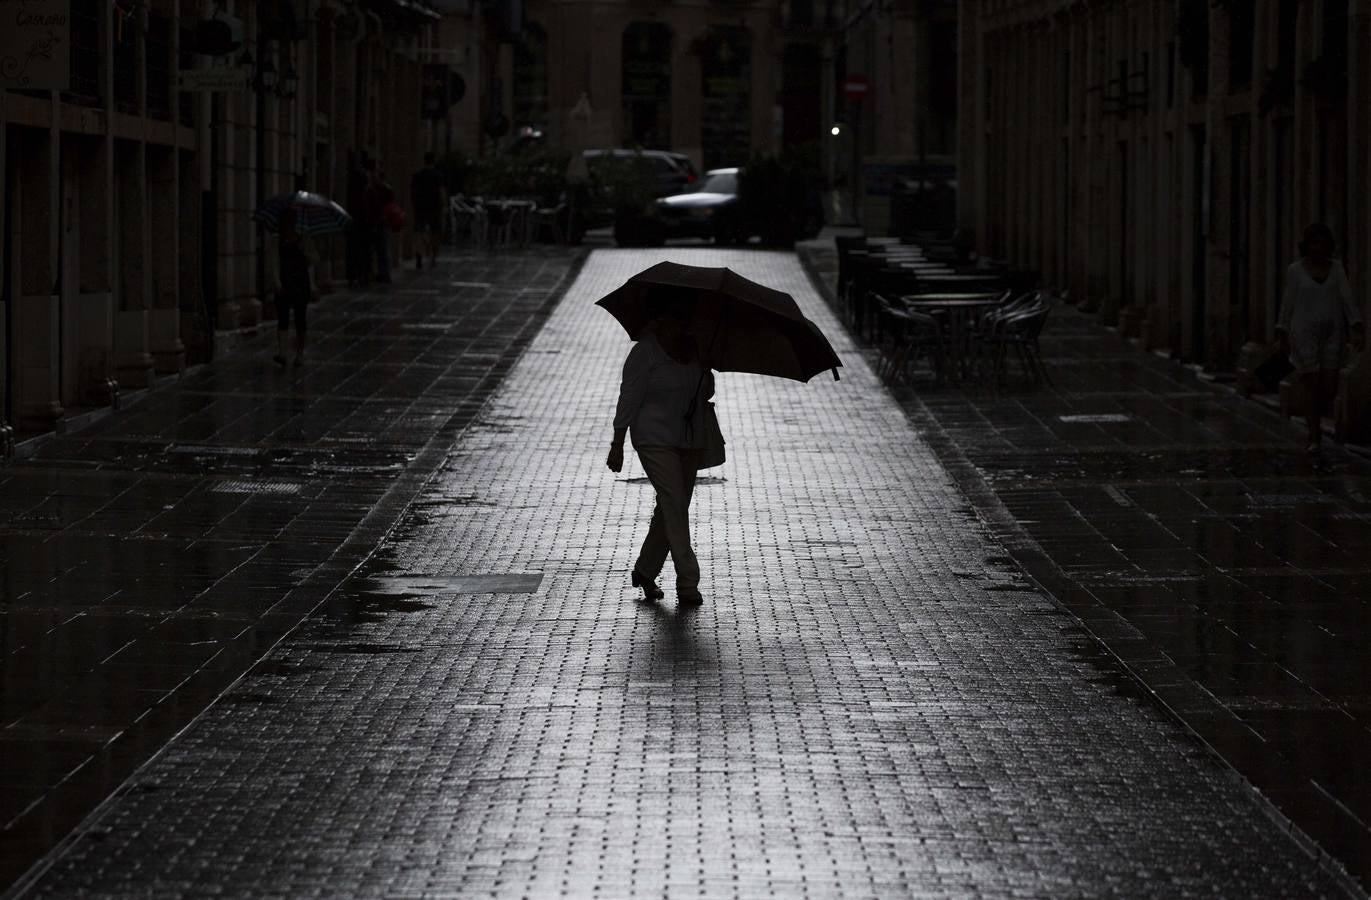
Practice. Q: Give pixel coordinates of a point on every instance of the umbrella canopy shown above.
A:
(315, 214)
(740, 325)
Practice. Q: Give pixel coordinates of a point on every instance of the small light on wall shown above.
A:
(266, 75)
(289, 81)
(836, 130)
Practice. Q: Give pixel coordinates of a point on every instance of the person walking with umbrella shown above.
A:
(688, 320)
(290, 265)
(290, 275)
(662, 403)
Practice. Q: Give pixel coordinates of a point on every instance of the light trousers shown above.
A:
(672, 473)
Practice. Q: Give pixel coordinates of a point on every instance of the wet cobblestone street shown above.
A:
(874, 701)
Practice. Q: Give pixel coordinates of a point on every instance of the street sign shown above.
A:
(229, 79)
(35, 44)
(855, 86)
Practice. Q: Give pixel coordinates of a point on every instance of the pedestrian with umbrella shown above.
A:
(687, 320)
(290, 265)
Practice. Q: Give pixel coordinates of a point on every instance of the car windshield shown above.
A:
(718, 183)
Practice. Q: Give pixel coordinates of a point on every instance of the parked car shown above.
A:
(670, 173)
(709, 209)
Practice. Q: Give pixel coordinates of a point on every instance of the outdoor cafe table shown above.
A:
(960, 306)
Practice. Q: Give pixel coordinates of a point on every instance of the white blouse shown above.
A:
(656, 394)
(1316, 316)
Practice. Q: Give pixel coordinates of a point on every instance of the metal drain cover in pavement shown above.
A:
(703, 479)
(281, 488)
(212, 450)
(1096, 418)
(517, 583)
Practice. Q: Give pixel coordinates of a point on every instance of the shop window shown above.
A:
(726, 75)
(530, 78)
(646, 85)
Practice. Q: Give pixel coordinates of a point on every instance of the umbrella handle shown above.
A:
(695, 400)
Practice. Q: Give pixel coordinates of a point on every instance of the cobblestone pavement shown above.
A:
(147, 562)
(1189, 531)
(872, 702)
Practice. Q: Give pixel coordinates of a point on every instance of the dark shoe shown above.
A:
(690, 597)
(650, 590)
(419, 264)
(279, 360)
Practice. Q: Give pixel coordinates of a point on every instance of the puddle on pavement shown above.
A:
(427, 585)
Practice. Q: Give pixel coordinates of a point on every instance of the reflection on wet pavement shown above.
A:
(1191, 533)
(147, 562)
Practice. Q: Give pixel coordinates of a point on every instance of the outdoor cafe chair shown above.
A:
(845, 245)
(1020, 331)
(884, 280)
(909, 335)
(468, 220)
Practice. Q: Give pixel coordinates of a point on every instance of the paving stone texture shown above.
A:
(147, 562)
(872, 702)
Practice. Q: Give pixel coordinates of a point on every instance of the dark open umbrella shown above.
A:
(315, 214)
(740, 325)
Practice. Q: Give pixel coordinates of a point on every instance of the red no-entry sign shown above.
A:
(855, 86)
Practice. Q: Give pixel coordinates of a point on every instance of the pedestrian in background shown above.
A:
(290, 274)
(1317, 316)
(358, 268)
(377, 196)
(428, 194)
(663, 383)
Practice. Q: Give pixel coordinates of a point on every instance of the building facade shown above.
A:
(715, 80)
(1160, 160)
(128, 240)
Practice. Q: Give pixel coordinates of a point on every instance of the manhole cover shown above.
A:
(705, 479)
(210, 450)
(1096, 418)
(1286, 499)
(280, 488)
(515, 583)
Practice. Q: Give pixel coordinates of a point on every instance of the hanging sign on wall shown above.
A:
(35, 44)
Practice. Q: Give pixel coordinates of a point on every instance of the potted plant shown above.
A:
(779, 197)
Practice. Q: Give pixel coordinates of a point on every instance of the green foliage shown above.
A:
(779, 194)
(536, 172)
(626, 186)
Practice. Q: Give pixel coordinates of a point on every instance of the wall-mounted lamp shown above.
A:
(266, 76)
(289, 82)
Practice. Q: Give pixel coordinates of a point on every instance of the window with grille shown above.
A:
(185, 101)
(125, 67)
(85, 54)
(158, 65)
